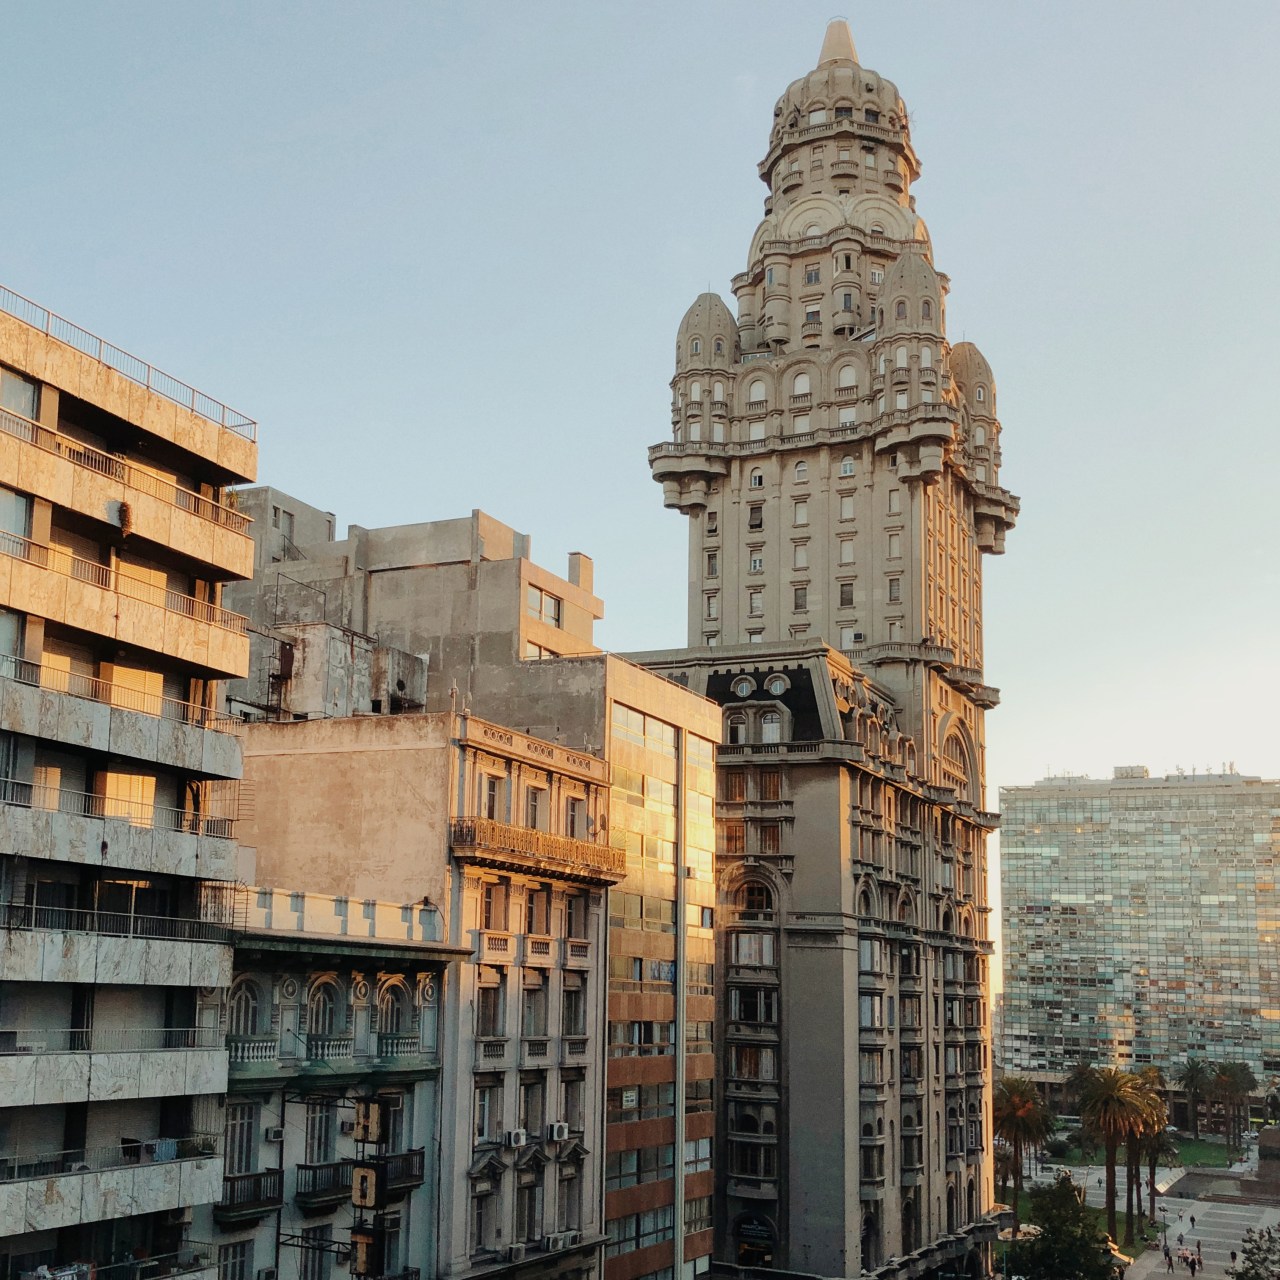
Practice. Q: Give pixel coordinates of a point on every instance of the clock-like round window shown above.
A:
(744, 686)
(777, 685)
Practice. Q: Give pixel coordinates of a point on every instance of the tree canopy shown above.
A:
(1069, 1243)
(1259, 1256)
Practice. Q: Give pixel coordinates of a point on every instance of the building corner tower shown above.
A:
(838, 461)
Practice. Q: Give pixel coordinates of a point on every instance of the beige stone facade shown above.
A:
(117, 796)
(838, 461)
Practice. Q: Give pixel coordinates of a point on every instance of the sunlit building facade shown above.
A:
(1140, 922)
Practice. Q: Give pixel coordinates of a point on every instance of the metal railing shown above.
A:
(193, 1256)
(136, 370)
(113, 924)
(115, 695)
(116, 468)
(119, 580)
(138, 813)
(406, 1168)
(248, 1190)
(332, 1178)
(488, 834)
(116, 1155)
(106, 1039)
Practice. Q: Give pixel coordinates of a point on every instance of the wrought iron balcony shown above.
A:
(406, 1169)
(249, 1195)
(323, 1184)
(486, 840)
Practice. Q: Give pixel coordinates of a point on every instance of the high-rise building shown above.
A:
(838, 462)
(117, 797)
(1140, 917)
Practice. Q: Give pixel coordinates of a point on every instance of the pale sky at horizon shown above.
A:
(440, 252)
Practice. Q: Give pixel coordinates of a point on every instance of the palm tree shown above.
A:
(1004, 1167)
(1157, 1145)
(1077, 1081)
(1234, 1082)
(1114, 1104)
(1021, 1119)
(1153, 1119)
(1194, 1078)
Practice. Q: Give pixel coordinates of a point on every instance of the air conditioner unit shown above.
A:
(558, 1132)
(552, 1243)
(515, 1253)
(267, 1273)
(516, 1138)
(179, 1217)
(348, 1127)
(571, 1238)
(859, 637)
(275, 1133)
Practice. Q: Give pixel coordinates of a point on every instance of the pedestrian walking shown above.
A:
(1197, 1248)
(1192, 1265)
(1193, 1222)
(1179, 1239)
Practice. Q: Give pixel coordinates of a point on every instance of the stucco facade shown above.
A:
(117, 796)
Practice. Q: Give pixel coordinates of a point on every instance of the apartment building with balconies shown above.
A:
(501, 837)
(332, 1019)
(117, 796)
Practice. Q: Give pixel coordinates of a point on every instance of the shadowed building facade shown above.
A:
(838, 463)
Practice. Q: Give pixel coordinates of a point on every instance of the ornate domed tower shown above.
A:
(839, 465)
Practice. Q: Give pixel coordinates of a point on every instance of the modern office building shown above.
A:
(117, 797)
(838, 462)
(1140, 918)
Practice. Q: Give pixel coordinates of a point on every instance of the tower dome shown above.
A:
(973, 376)
(708, 335)
(911, 296)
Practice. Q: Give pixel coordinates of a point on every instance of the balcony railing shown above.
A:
(489, 836)
(113, 924)
(395, 1045)
(259, 1048)
(406, 1168)
(244, 1192)
(329, 1048)
(318, 1183)
(193, 1256)
(119, 580)
(116, 468)
(117, 1155)
(107, 1039)
(114, 695)
(122, 362)
(87, 804)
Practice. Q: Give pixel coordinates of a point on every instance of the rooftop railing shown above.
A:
(107, 1039)
(131, 367)
(138, 813)
(116, 1155)
(118, 579)
(114, 695)
(116, 468)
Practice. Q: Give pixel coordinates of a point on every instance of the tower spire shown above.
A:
(837, 44)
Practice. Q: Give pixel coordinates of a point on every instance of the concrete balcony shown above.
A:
(85, 712)
(576, 953)
(573, 1051)
(194, 1261)
(491, 1053)
(127, 1179)
(535, 1051)
(486, 842)
(537, 953)
(62, 1065)
(54, 944)
(52, 584)
(67, 826)
(246, 1197)
(79, 478)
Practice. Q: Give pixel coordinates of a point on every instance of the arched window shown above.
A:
(846, 465)
(756, 391)
(864, 903)
(719, 347)
(900, 310)
(757, 479)
(755, 899)
(800, 386)
(900, 358)
(322, 1010)
(242, 1009)
(393, 1010)
(980, 436)
(926, 310)
(877, 229)
(771, 727)
(881, 363)
(848, 376)
(736, 730)
(717, 390)
(695, 391)
(695, 347)
(926, 357)
(980, 393)
(813, 229)
(802, 470)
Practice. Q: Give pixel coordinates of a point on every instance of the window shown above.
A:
(713, 564)
(846, 549)
(818, 116)
(752, 1062)
(895, 546)
(926, 310)
(713, 523)
(757, 479)
(235, 1261)
(768, 275)
(487, 1113)
(319, 1131)
(322, 1010)
(719, 346)
(19, 395)
(801, 472)
(846, 507)
(812, 315)
(900, 313)
(877, 274)
(800, 555)
(529, 1205)
(697, 1215)
(315, 1259)
(695, 347)
(242, 1009)
(638, 1166)
(697, 1155)
(640, 1230)
(713, 606)
(543, 606)
(926, 356)
(848, 637)
(980, 394)
(900, 354)
(813, 275)
(490, 1020)
(573, 1006)
(895, 502)
(801, 599)
(895, 589)
(847, 377)
(533, 1016)
(900, 399)
(800, 424)
(535, 808)
(869, 159)
(753, 1160)
(757, 1005)
(895, 630)
(771, 727)
(800, 513)
(490, 797)
(755, 604)
(483, 1215)
(240, 1133)
(753, 950)
(755, 516)
(846, 302)
(533, 1104)
(980, 473)
(756, 562)
(846, 595)
(756, 392)
(493, 906)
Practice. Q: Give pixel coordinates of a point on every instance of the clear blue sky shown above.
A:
(440, 251)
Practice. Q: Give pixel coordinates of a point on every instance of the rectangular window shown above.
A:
(533, 1014)
(755, 517)
(315, 1258)
(846, 595)
(756, 562)
(812, 315)
(488, 1110)
(713, 607)
(713, 522)
(800, 601)
(895, 502)
(752, 1062)
(758, 1005)
(240, 1131)
(543, 606)
(755, 603)
(895, 589)
(573, 1006)
(235, 1261)
(535, 808)
(489, 1010)
(533, 1100)
(753, 949)
(877, 273)
(490, 797)
(19, 395)
(846, 507)
(800, 515)
(697, 1215)
(697, 1155)
(813, 275)
(800, 556)
(894, 546)
(848, 637)
(713, 564)
(319, 1134)
(846, 550)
